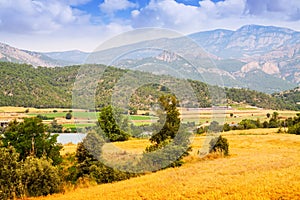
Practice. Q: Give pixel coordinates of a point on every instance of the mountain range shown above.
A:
(263, 58)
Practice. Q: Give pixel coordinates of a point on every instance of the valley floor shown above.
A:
(262, 165)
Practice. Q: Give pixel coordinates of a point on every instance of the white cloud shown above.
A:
(276, 9)
(45, 25)
(111, 6)
(168, 14)
(230, 14)
(34, 16)
(52, 25)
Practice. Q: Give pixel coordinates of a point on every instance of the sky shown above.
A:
(60, 25)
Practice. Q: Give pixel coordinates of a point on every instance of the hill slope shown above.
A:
(24, 85)
(12, 54)
(265, 163)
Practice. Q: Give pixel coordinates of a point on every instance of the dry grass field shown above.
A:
(262, 165)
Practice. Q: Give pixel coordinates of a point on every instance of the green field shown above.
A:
(63, 114)
(79, 125)
(141, 117)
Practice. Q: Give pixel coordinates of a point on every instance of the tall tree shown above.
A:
(110, 120)
(170, 120)
(171, 143)
(30, 138)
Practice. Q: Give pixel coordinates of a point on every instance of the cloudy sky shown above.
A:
(56, 25)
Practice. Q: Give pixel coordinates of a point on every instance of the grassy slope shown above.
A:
(260, 167)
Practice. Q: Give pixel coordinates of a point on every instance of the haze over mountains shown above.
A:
(263, 58)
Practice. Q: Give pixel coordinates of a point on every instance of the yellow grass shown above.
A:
(68, 148)
(262, 165)
(11, 109)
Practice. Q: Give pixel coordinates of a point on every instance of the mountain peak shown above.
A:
(253, 28)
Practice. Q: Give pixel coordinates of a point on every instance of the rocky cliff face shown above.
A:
(272, 50)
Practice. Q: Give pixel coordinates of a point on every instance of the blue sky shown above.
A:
(56, 25)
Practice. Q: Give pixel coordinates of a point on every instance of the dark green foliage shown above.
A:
(202, 129)
(68, 115)
(226, 127)
(215, 127)
(290, 98)
(43, 117)
(294, 125)
(219, 144)
(171, 143)
(52, 87)
(40, 177)
(295, 129)
(248, 124)
(24, 85)
(274, 122)
(255, 98)
(30, 138)
(32, 177)
(110, 120)
(10, 174)
(55, 127)
(88, 155)
(171, 121)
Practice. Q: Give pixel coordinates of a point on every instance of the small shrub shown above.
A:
(219, 144)
(68, 115)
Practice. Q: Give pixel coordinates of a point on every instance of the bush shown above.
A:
(68, 115)
(39, 177)
(89, 167)
(10, 174)
(32, 177)
(219, 144)
(295, 129)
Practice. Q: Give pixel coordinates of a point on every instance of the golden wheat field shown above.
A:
(262, 165)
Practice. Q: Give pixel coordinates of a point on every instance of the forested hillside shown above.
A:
(290, 97)
(24, 85)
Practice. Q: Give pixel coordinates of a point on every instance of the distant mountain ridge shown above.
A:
(273, 50)
(263, 58)
(12, 54)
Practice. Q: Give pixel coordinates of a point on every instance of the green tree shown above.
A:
(171, 143)
(30, 138)
(275, 115)
(39, 177)
(109, 121)
(89, 165)
(10, 174)
(226, 127)
(294, 125)
(68, 115)
(170, 121)
(55, 127)
(274, 122)
(215, 127)
(247, 124)
(268, 115)
(219, 144)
